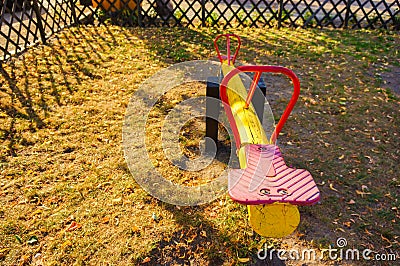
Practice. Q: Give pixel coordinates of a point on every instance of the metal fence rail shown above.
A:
(25, 22)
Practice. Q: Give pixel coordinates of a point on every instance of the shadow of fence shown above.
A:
(32, 87)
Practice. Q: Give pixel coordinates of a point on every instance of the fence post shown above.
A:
(280, 10)
(72, 3)
(347, 15)
(39, 20)
(203, 13)
(139, 12)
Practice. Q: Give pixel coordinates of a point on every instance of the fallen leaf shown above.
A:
(32, 240)
(73, 226)
(66, 244)
(18, 238)
(39, 211)
(146, 260)
(364, 187)
(24, 260)
(103, 184)
(3, 253)
(243, 260)
(351, 202)
(116, 221)
(331, 187)
(368, 232)
(389, 196)
(130, 189)
(385, 239)
(362, 193)
(117, 200)
(135, 229)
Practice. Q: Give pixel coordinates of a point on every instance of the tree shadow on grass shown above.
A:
(198, 242)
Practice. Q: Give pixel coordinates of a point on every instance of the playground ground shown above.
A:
(67, 197)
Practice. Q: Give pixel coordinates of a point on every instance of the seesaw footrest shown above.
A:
(267, 179)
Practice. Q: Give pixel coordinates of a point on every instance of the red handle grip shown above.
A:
(231, 59)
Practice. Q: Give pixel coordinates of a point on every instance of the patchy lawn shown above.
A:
(68, 198)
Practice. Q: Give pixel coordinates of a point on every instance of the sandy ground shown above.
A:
(391, 79)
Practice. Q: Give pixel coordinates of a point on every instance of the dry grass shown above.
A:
(64, 180)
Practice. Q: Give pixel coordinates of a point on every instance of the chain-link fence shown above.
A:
(25, 22)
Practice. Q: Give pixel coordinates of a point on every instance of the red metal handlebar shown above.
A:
(258, 70)
(231, 59)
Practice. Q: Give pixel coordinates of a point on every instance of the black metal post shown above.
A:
(280, 11)
(203, 13)
(212, 111)
(72, 3)
(39, 20)
(347, 15)
(139, 12)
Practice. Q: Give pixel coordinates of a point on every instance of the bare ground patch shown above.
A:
(391, 79)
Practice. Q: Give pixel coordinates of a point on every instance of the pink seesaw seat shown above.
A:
(267, 179)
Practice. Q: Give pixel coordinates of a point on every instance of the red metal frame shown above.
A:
(231, 59)
(258, 70)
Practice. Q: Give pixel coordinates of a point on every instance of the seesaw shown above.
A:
(271, 190)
